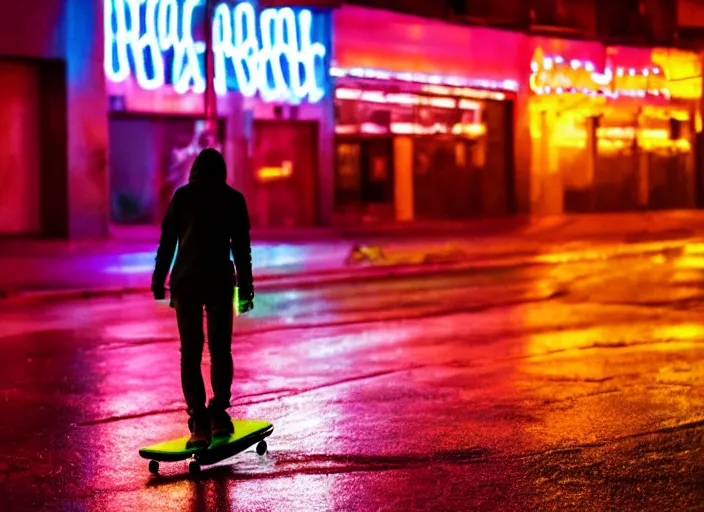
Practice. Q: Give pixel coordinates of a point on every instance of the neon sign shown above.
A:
(559, 75)
(430, 80)
(276, 57)
(266, 174)
(370, 96)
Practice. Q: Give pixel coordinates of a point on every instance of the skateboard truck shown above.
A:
(247, 433)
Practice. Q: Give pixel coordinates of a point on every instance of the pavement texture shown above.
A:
(124, 263)
(570, 382)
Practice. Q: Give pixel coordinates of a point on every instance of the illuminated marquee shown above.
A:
(559, 75)
(274, 56)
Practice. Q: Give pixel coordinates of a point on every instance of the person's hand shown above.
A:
(245, 299)
(159, 292)
(245, 292)
(243, 306)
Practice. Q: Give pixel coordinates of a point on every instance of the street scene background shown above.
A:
(544, 365)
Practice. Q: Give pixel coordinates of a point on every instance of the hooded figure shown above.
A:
(209, 221)
(208, 167)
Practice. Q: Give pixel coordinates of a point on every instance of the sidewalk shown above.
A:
(581, 226)
(86, 269)
(124, 263)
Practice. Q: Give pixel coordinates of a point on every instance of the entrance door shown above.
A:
(364, 179)
(19, 149)
(348, 177)
(284, 180)
(378, 171)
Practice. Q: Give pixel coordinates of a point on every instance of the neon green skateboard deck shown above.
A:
(247, 433)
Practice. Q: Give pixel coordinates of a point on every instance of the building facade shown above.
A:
(274, 107)
(53, 155)
(613, 128)
(337, 114)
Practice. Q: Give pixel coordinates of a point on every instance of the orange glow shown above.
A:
(683, 71)
(559, 75)
(570, 132)
(615, 138)
(275, 173)
(670, 73)
(467, 92)
(469, 130)
(417, 129)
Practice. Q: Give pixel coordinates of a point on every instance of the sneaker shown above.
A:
(220, 423)
(200, 433)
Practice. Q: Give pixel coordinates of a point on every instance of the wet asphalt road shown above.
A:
(575, 384)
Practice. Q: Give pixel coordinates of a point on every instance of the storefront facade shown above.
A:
(273, 103)
(440, 121)
(613, 128)
(424, 118)
(374, 116)
(330, 116)
(53, 153)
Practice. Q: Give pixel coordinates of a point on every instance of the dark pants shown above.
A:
(219, 314)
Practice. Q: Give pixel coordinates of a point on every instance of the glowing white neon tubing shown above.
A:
(309, 52)
(245, 51)
(115, 40)
(268, 56)
(252, 51)
(222, 48)
(286, 24)
(603, 80)
(167, 24)
(189, 50)
(147, 41)
(433, 81)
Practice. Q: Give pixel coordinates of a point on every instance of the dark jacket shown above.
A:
(208, 219)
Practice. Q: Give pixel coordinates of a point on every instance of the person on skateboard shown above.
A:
(209, 220)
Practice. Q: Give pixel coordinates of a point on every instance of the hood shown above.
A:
(209, 167)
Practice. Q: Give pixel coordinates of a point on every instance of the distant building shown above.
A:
(334, 113)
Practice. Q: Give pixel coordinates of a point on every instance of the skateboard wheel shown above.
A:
(193, 467)
(154, 467)
(261, 448)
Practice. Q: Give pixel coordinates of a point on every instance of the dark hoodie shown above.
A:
(208, 219)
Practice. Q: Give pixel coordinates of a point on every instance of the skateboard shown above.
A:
(247, 433)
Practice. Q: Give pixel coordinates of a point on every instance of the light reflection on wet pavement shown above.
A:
(565, 385)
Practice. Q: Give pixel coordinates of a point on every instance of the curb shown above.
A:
(278, 282)
(348, 274)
